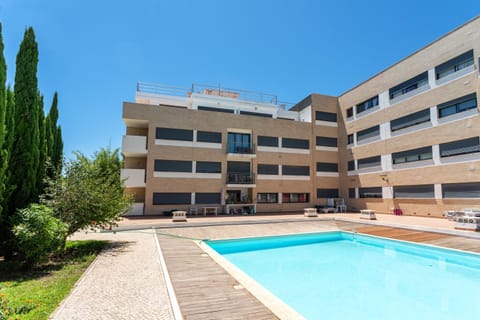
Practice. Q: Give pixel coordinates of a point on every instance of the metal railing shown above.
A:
(234, 93)
(163, 89)
(206, 90)
(241, 148)
(240, 178)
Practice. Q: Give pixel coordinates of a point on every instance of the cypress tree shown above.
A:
(42, 148)
(3, 129)
(54, 139)
(25, 152)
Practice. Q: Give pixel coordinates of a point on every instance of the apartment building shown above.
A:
(407, 138)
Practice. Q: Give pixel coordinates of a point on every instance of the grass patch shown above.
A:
(35, 294)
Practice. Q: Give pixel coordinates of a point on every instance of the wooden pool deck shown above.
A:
(204, 290)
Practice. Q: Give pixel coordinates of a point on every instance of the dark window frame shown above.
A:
(294, 143)
(454, 148)
(163, 165)
(368, 133)
(173, 134)
(413, 155)
(267, 141)
(157, 196)
(370, 193)
(289, 170)
(271, 197)
(208, 167)
(267, 169)
(327, 193)
(457, 105)
(209, 136)
(366, 105)
(410, 120)
(327, 167)
(325, 116)
(302, 197)
(423, 191)
(321, 141)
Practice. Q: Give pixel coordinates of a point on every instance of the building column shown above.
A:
(384, 99)
(436, 154)
(385, 130)
(432, 82)
(387, 192)
(279, 198)
(434, 116)
(192, 200)
(438, 191)
(386, 161)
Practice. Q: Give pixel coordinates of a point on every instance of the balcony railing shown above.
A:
(240, 178)
(241, 148)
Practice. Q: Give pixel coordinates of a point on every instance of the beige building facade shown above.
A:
(408, 138)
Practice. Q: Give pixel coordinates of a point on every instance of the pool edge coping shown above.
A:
(267, 298)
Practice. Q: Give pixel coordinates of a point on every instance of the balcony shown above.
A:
(240, 179)
(134, 146)
(241, 149)
(134, 178)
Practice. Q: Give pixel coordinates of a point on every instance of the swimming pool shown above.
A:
(339, 275)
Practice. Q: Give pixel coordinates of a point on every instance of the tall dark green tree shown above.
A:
(42, 148)
(3, 127)
(54, 139)
(24, 161)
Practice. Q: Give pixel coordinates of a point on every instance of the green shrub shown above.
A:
(37, 234)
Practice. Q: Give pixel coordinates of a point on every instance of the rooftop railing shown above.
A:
(218, 91)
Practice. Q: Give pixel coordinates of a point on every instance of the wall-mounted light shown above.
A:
(384, 177)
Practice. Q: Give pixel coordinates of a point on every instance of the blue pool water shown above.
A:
(337, 275)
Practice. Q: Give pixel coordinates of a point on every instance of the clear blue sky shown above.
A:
(94, 52)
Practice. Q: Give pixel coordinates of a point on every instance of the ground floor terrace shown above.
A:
(157, 269)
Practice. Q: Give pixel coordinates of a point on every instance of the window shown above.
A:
(174, 134)
(201, 108)
(454, 65)
(267, 141)
(327, 193)
(271, 169)
(455, 148)
(326, 141)
(239, 143)
(351, 165)
(409, 85)
(172, 198)
(327, 167)
(350, 112)
(461, 190)
(267, 197)
(416, 191)
(368, 133)
(350, 139)
(325, 116)
(209, 167)
(296, 170)
(368, 104)
(369, 162)
(173, 166)
(412, 155)
(295, 143)
(351, 193)
(458, 105)
(256, 114)
(208, 136)
(295, 197)
(372, 192)
(207, 198)
(410, 120)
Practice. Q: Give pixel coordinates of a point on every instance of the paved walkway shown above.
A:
(124, 282)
